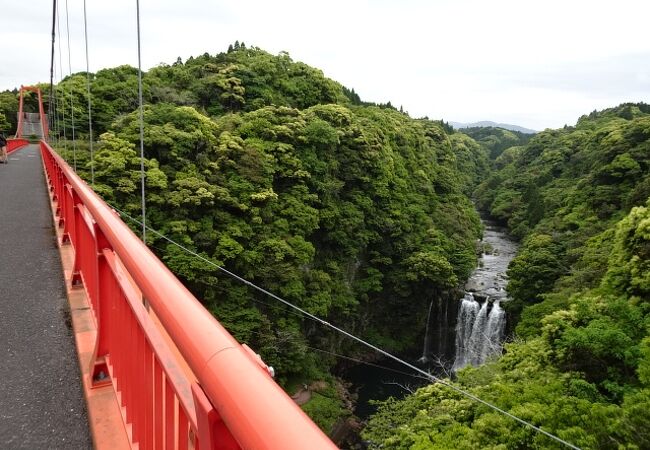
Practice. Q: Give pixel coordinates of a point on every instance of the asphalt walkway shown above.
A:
(41, 397)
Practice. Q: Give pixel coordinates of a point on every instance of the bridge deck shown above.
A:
(41, 396)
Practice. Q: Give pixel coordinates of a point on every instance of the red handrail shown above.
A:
(16, 144)
(238, 405)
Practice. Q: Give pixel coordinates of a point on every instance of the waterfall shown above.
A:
(474, 347)
(478, 332)
(425, 350)
(494, 330)
(471, 330)
(466, 316)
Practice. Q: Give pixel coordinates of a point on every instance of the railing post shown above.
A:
(61, 199)
(68, 213)
(212, 432)
(78, 220)
(106, 292)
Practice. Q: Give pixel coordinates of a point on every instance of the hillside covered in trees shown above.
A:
(495, 140)
(353, 211)
(579, 362)
(362, 215)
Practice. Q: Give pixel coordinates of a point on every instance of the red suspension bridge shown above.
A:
(150, 365)
(158, 371)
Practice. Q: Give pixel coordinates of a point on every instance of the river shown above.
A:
(459, 332)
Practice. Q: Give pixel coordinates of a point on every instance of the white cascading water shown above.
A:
(478, 333)
(494, 330)
(425, 351)
(466, 317)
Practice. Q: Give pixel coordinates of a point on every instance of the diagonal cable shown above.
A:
(357, 339)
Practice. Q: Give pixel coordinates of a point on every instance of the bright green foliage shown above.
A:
(571, 184)
(74, 91)
(354, 212)
(244, 79)
(114, 92)
(583, 373)
(4, 123)
(471, 161)
(117, 174)
(325, 407)
(631, 255)
(8, 112)
(537, 265)
(523, 383)
(496, 140)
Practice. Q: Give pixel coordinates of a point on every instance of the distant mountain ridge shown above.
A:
(488, 123)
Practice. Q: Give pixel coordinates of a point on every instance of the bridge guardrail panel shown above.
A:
(141, 365)
(144, 378)
(16, 144)
(239, 403)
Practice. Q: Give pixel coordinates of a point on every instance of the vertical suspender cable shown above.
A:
(49, 106)
(57, 111)
(55, 122)
(55, 102)
(90, 115)
(62, 99)
(142, 175)
(74, 141)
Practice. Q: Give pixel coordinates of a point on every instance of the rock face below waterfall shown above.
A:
(440, 333)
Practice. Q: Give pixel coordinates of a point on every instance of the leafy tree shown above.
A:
(496, 140)
(535, 268)
(4, 123)
(9, 111)
(582, 371)
(260, 164)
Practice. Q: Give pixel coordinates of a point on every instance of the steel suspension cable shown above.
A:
(74, 140)
(141, 118)
(90, 115)
(359, 340)
(57, 110)
(55, 102)
(59, 84)
(55, 107)
(55, 122)
(349, 358)
(49, 106)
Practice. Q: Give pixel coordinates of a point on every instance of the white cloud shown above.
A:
(538, 64)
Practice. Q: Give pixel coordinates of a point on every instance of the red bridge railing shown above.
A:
(15, 144)
(233, 402)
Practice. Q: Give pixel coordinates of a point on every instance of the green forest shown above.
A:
(578, 364)
(362, 215)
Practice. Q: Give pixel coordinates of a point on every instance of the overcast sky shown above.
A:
(538, 64)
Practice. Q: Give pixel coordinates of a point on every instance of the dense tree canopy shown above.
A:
(362, 215)
(8, 112)
(570, 185)
(354, 212)
(495, 139)
(579, 365)
(584, 377)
